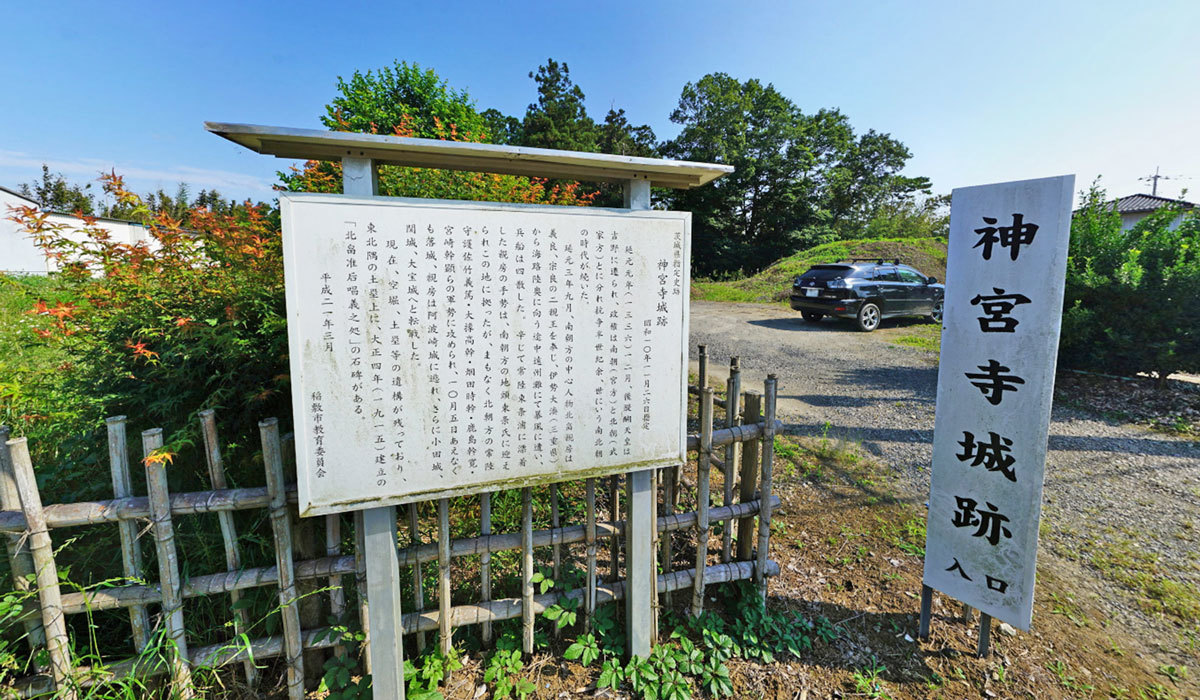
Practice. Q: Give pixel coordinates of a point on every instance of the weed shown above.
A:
(1065, 679)
(866, 680)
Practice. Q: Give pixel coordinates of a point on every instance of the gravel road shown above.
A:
(1109, 487)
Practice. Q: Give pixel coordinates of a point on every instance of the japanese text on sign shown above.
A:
(1004, 289)
(446, 348)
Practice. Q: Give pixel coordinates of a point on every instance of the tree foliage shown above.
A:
(404, 100)
(799, 179)
(54, 193)
(559, 118)
(1130, 300)
(193, 320)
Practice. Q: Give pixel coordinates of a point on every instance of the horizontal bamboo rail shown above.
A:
(227, 582)
(218, 655)
(61, 515)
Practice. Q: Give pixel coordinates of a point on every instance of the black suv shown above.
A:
(867, 291)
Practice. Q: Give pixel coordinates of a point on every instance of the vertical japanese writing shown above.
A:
(473, 347)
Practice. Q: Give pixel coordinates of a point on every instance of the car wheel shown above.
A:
(938, 307)
(812, 316)
(868, 317)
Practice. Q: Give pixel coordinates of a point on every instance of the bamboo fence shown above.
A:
(745, 441)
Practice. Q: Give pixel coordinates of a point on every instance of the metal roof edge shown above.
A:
(285, 142)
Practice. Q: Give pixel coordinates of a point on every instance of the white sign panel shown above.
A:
(446, 348)
(1004, 291)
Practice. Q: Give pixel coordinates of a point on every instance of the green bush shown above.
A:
(156, 332)
(1132, 299)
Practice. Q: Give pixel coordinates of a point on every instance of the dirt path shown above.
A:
(1122, 503)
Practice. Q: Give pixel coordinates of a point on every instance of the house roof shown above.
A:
(283, 142)
(34, 202)
(1139, 203)
(15, 193)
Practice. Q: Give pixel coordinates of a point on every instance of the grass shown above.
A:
(1124, 562)
(774, 283)
(926, 336)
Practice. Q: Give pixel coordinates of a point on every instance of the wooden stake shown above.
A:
(41, 553)
(985, 635)
(668, 505)
(554, 523)
(281, 528)
(485, 561)
(733, 396)
(444, 603)
(703, 468)
(360, 580)
(414, 534)
(926, 607)
(527, 570)
(333, 548)
(168, 560)
(614, 515)
(233, 555)
(19, 559)
(749, 477)
(768, 463)
(589, 538)
(702, 373)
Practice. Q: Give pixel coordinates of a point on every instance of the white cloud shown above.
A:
(90, 168)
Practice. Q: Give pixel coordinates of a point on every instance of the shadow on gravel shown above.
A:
(833, 325)
(792, 324)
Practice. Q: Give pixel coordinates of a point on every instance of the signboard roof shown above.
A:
(316, 144)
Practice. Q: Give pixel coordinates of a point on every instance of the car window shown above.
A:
(887, 274)
(823, 273)
(911, 276)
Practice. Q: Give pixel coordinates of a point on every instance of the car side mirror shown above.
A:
(932, 280)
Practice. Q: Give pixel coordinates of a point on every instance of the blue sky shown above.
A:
(980, 92)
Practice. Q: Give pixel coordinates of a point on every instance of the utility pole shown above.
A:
(1154, 181)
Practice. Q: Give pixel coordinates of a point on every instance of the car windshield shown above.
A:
(823, 273)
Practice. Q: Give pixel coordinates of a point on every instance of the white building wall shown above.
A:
(20, 255)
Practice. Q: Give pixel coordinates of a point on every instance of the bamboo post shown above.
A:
(702, 373)
(748, 477)
(168, 559)
(589, 606)
(614, 515)
(445, 631)
(305, 546)
(527, 570)
(414, 535)
(360, 582)
(485, 562)
(733, 396)
(19, 559)
(281, 527)
(233, 555)
(333, 548)
(703, 469)
(764, 513)
(41, 553)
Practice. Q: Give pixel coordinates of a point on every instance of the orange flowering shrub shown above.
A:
(193, 319)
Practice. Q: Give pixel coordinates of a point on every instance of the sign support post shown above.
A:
(640, 566)
(386, 643)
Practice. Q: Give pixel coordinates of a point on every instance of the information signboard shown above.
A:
(446, 348)
(1004, 291)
